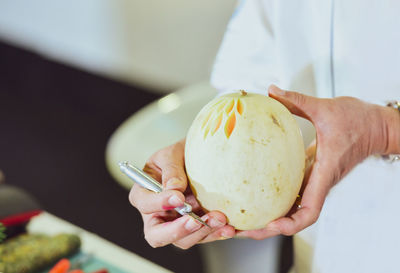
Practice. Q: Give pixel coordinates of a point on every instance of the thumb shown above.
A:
(172, 165)
(297, 103)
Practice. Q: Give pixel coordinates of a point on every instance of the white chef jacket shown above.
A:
(328, 48)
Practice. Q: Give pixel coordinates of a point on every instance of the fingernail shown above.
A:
(273, 89)
(174, 201)
(214, 222)
(192, 225)
(173, 183)
(205, 217)
(222, 238)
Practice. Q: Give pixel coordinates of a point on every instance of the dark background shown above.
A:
(55, 122)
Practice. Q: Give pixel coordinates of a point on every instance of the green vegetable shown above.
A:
(2, 232)
(30, 253)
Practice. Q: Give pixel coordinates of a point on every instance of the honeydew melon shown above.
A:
(244, 156)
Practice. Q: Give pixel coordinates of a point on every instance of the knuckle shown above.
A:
(299, 99)
(152, 242)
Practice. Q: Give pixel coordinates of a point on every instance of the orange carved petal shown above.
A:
(230, 125)
(229, 107)
(206, 119)
(217, 123)
(221, 106)
(206, 131)
(239, 107)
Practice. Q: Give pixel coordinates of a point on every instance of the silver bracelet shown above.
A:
(393, 157)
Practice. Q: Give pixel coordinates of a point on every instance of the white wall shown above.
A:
(161, 44)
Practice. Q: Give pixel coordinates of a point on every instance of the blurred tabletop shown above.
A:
(91, 243)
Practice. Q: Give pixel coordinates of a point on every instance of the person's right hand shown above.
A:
(162, 224)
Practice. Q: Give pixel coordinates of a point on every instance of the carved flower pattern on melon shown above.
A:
(223, 111)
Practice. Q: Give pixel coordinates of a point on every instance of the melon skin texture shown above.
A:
(245, 157)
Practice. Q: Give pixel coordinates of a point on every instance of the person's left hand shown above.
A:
(347, 131)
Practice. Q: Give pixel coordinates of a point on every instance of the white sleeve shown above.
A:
(246, 57)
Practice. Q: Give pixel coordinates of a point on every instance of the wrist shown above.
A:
(391, 130)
